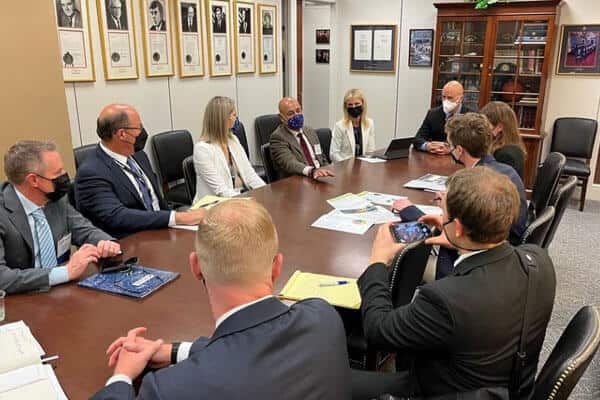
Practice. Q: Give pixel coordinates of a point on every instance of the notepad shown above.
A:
(304, 285)
(208, 202)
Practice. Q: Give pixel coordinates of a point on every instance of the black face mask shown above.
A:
(61, 183)
(140, 140)
(355, 111)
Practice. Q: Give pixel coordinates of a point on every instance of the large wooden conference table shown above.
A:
(78, 323)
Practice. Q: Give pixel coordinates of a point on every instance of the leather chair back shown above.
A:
(82, 152)
(407, 271)
(271, 172)
(324, 135)
(574, 137)
(189, 174)
(170, 149)
(570, 357)
(560, 202)
(538, 229)
(264, 125)
(241, 135)
(546, 182)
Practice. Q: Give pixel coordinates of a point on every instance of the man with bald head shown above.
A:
(431, 137)
(115, 186)
(295, 148)
(260, 349)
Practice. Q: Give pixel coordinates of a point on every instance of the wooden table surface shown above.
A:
(78, 323)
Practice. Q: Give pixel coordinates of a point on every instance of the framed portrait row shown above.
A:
(233, 29)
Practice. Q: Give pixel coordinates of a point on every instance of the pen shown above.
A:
(50, 358)
(209, 204)
(336, 283)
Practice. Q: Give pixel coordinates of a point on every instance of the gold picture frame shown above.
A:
(267, 38)
(218, 27)
(382, 39)
(74, 39)
(156, 35)
(190, 48)
(117, 36)
(245, 39)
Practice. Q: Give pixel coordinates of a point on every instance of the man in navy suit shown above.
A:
(115, 187)
(261, 348)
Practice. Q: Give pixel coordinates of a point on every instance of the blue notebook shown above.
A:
(137, 281)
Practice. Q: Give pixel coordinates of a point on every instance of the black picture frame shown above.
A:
(322, 36)
(322, 56)
(420, 52)
(579, 52)
(366, 48)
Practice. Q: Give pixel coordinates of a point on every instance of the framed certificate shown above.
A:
(156, 32)
(189, 38)
(218, 24)
(267, 38)
(373, 48)
(245, 48)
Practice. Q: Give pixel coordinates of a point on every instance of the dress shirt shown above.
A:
(58, 274)
(464, 256)
(308, 169)
(121, 161)
(448, 115)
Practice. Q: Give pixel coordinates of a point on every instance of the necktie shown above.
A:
(44, 239)
(118, 24)
(305, 150)
(141, 182)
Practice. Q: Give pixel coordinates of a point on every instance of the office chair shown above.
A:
(264, 125)
(241, 135)
(82, 152)
(270, 171)
(189, 176)
(170, 149)
(537, 230)
(546, 182)
(324, 135)
(560, 202)
(574, 137)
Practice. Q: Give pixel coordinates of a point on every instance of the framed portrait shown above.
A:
(189, 38)
(322, 36)
(117, 35)
(421, 48)
(322, 56)
(373, 48)
(73, 26)
(156, 32)
(579, 53)
(218, 26)
(267, 38)
(245, 47)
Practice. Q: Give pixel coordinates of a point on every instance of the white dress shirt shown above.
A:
(308, 169)
(464, 256)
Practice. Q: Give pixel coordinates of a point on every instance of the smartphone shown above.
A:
(408, 232)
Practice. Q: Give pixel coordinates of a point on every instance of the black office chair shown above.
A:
(537, 230)
(574, 137)
(170, 149)
(189, 176)
(82, 152)
(560, 202)
(570, 357)
(270, 171)
(546, 182)
(264, 125)
(241, 135)
(324, 135)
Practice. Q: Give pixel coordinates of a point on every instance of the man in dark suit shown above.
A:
(295, 148)
(116, 15)
(115, 186)
(38, 226)
(68, 15)
(244, 21)
(462, 332)
(261, 348)
(157, 16)
(188, 21)
(431, 136)
(219, 23)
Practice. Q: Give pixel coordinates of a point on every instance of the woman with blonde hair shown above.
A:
(222, 167)
(354, 135)
(507, 145)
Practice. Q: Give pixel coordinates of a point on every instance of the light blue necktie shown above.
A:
(44, 239)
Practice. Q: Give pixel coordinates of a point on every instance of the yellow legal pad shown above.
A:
(303, 285)
(208, 202)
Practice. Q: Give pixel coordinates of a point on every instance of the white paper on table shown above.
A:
(372, 160)
(33, 382)
(433, 210)
(186, 227)
(18, 347)
(363, 45)
(432, 182)
(374, 215)
(350, 202)
(336, 221)
(380, 198)
(382, 45)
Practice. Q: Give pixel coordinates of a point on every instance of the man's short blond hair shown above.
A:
(236, 243)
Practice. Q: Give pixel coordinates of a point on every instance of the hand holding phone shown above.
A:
(409, 232)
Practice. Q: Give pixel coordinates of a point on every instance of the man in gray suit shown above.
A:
(38, 225)
(261, 348)
(295, 148)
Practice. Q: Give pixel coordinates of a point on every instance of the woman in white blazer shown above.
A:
(222, 167)
(354, 135)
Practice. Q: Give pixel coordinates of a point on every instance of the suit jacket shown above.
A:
(463, 330)
(17, 272)
(107, 197)
(219, 27)
(287, 154)
(162, 26)
(432, 128)
(113, 26)
(343, 143)
(186, 28)
(264, 351)
(73, 22)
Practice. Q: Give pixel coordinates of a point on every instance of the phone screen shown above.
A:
(408, 232)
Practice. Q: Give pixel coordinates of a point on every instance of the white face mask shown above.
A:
(449, 106)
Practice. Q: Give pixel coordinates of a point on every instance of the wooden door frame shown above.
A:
(299, 45)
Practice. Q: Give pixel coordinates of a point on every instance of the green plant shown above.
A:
(483, 4)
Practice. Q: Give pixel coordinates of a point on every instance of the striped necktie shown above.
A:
(44, 239)
(141, 183)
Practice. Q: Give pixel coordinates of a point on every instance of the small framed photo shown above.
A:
(156, 31)
(218, 21)
(373, 48)
(189, 38)
(118, 39)
(267, 38)
(245, 47)
(322, 56)
(421, 48)
(73, 26)
(322, 36)
(579, 52)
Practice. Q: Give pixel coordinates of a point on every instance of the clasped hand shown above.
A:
(88, 253)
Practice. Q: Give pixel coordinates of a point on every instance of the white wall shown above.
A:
(169, 102)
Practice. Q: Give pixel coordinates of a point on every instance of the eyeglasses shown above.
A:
(451, 220)
(132, 127)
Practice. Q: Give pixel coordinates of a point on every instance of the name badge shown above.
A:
(63, 248)
(318, 150)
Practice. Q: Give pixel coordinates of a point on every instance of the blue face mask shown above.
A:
(236, 124)
(296, 122)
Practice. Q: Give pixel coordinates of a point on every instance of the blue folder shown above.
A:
(137, 281)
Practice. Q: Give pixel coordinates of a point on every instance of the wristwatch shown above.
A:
(174, 351)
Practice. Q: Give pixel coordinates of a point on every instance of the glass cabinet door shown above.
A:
(517, 67)
(462, 45)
